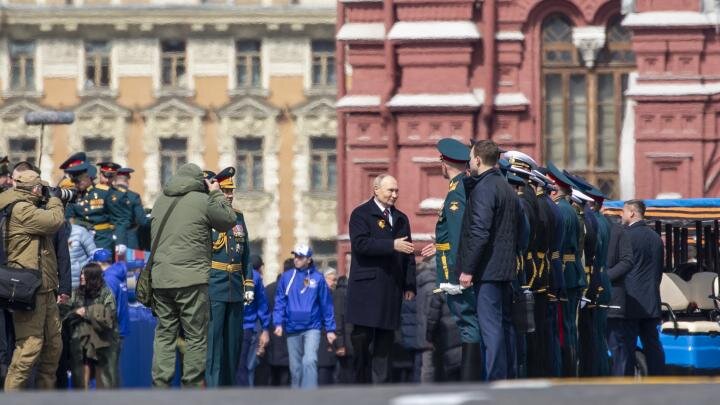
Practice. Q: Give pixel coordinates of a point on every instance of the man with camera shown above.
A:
(30, 230)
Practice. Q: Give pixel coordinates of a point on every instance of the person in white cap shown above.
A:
(303, 307)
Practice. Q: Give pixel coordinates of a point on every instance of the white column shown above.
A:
(589, 40)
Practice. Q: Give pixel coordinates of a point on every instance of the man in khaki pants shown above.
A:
(37, 333)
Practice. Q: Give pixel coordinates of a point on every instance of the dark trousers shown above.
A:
(570, 332)
(646, 330)
(280, 376)
(372, 367)
(554, 364)
(588, 348)
(494, 302)
(326, 375)
(622, 347)
(345, 370)
(242, 377)
(537, 342)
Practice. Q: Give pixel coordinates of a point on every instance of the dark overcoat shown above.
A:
(378, 274)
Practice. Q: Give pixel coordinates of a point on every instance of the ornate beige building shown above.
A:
(157, 83)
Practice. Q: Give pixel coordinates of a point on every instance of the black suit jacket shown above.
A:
(378, 274)
(640, 274)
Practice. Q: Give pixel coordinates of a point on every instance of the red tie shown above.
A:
(386, 213)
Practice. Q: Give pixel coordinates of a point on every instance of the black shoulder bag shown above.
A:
(144, 288)
(18, 285)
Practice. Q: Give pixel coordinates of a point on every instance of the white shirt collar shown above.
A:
(380, 205)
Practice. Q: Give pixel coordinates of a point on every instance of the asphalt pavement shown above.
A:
(662, 391)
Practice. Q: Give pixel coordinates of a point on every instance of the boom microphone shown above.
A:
(49, 117)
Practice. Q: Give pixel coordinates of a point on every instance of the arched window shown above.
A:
(583, 107)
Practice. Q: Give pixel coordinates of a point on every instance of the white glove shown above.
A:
(451, 289)
(249, 297)
(120, 250)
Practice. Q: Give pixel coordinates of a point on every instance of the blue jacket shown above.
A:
(82, 247)
(303, 302)
(258, 309)
(116, 281)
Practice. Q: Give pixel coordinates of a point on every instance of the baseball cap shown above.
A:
(302, 249)
(102, 255)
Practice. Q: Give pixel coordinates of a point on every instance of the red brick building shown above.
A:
(625, 93)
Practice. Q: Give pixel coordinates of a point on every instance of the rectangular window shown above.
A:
(554, 119)
(22, 150)
(324, 253)
(607, 120)
(173, 63)
(97, 64)
(323, 63)
(173, 154)
(323, 165)
(578, 124)
(98, 149)
(22, 65)
(247, 64)
(249, 174)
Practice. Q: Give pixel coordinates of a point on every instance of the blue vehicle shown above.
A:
(689, 291)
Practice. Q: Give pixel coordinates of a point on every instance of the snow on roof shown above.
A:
(358, 101)
(673, 89)
(510, 99)
(434, 100)
(361, 31)
(433, 30)
(669, 19)
(510, 36)
(479, 95)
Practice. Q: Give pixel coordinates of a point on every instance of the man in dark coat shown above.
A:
(382, 271)
(277, 352)
(487, 253)
(343, 330)
(641, 276)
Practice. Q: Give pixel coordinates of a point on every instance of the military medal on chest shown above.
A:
(239, 235)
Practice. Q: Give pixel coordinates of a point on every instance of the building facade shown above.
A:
(158, 83)
(625, 93)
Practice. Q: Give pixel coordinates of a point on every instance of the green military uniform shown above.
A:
(137, 216)
(574, 276)
(447, 241)
(107, 211)
(230, 275)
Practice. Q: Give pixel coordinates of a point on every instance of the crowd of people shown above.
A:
(526, 278)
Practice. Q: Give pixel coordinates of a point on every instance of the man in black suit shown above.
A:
(382, 272)
(636, 288)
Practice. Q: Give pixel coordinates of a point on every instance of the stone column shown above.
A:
(589, 40)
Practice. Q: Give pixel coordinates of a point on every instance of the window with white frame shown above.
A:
(323, 164)
(98, 149)
(173, 154)
(173, 63)
(247, 63)
(323, 63)
(97, 64)
(324, 253)
(22, 65)
(249, 158)
(22, 149)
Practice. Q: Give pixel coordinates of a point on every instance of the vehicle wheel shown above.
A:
(641, 368)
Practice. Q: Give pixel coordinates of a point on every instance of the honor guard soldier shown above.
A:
(601, 283)
(231, 287)
(546, 299)
(537, 263)
(572, 270)
(138, 218)
(454, 157)
(103, 209)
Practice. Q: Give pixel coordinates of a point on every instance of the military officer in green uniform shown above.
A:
(231, 286)
(454, 157)
(573, 273)
(100, 206)
(138, 218)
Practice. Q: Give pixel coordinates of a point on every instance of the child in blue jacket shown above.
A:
(303, 307)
